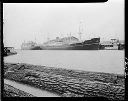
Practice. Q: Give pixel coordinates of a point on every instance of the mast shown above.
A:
(70, 34)
(35, 39)
(61, 35)
(80, 30)
(48, 37)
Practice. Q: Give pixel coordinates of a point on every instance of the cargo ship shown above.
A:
(65, 43)
(71, 43)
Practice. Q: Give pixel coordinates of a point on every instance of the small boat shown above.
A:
(114, 44)
(9, 51)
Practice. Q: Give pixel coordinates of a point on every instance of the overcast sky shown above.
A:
(37, 21)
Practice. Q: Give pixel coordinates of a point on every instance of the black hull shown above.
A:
(78, 47)
(93, 44)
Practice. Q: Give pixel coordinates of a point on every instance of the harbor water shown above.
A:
(108, 61)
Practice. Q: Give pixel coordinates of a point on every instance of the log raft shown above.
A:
(68, 83)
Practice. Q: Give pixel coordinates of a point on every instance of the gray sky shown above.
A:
(33, 21)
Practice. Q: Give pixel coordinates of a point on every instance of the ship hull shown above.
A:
(76, 47)
(31, 48)
(92, 44)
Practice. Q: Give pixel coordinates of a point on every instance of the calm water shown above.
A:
(109, 61)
